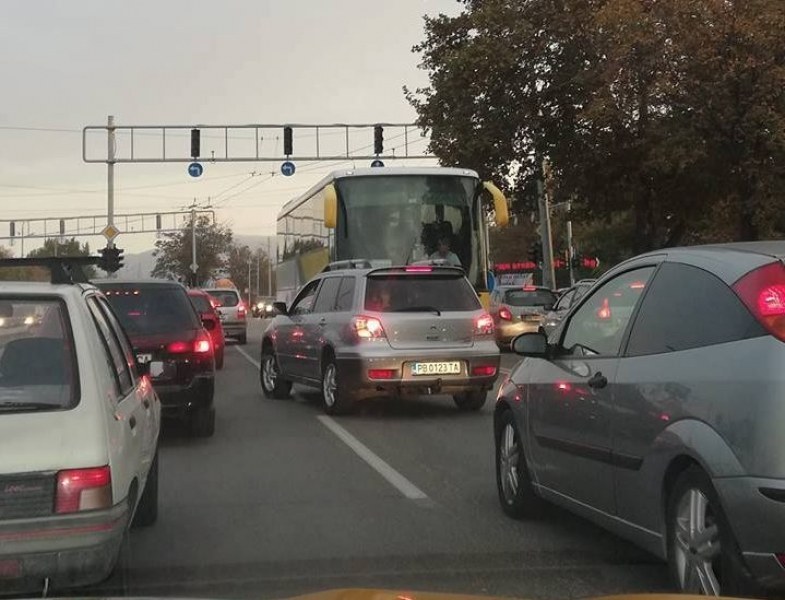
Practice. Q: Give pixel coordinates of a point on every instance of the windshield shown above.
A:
(529, 298)
(423, 217)
(151, 310)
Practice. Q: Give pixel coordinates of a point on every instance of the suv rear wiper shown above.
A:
(431, 309)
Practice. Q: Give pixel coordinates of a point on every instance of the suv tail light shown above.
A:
(241, 310)
(483, 325)
(83, 489)
(505, 314)
(763, 292)
(368, 328)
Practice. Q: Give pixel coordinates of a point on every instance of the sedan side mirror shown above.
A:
(534, 344)
(280, 308)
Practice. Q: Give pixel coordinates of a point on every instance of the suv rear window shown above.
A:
(227, 298)
(529, 298)
(399, 293)
(37, 363)
(151, 309)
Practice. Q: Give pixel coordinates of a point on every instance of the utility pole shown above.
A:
(270, 267)
(194, 264)
(258, 269)
(110, 160)
(250, 260)
(570, 249)
(548, 273)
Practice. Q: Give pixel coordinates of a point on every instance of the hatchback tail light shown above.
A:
(483, 325)
(505, 314)
(241, 310)
(763, 292)
(381, 373)
(83, 489)
(368, 328)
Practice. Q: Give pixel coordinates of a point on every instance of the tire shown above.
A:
(273, 385)
(335, 399)
(471, 401)
(242, 339)
(147, 509)
(203, 422)
(700, 561)
(219, 360)
(513, 481)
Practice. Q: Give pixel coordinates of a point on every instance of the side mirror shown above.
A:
(208, 324)
(280, 308)
(531, 344)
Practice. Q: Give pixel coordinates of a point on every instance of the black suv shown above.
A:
(165, 329)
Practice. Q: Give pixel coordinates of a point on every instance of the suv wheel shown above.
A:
(471, 400)
(147, 510)
(516, 494)
(335, 400)
(703, 555)
(203, 422)
(273, 385)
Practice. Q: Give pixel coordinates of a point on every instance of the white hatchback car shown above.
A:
(79, 425)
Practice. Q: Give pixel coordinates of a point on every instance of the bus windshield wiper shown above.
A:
(431, 309)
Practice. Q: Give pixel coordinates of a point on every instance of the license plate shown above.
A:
(436, 368)
(144, 358)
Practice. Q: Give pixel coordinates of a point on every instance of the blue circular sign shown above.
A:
(377, 163)
(288, 168)
(195, 169)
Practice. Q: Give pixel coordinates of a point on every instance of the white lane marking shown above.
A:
(394, 478)
(250, 358)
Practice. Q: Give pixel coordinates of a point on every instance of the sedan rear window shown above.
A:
(399, 293)
(530, 298)
(150, 310)
(37, 363)
(228, 298)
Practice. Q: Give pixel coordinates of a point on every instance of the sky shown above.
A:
(69, 64)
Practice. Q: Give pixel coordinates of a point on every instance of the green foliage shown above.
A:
(72, 247)
(173, 252)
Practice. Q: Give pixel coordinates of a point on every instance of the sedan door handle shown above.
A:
(598, 381)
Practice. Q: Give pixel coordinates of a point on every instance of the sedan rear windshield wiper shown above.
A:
(431, 309)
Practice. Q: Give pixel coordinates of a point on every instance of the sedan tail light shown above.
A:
(505, 314)
(763, 292)
(83, 489)
(201, 345)
(484, 370)
(368, 328)
(483, 325)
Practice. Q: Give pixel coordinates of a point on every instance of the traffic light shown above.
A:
(287, 141)
(111, 259)
(378, 140)
(196, 138)
(590, 262)
(535, 253)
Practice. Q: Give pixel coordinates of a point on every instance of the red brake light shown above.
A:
(178, 347)
(202, 345)
(504, 313)
(484, 325)
(529, 288)
(418, 269)
(484, 371)
(381, 373)
(241, 310)
(368, 328)
(763, 292)
(83, 489)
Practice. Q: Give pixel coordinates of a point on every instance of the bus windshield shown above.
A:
(400, 219)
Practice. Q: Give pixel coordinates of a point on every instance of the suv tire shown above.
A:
(147, 509)
(471, 400)
(273, 385)
(203, 422)
(335, 399)
(513, 482)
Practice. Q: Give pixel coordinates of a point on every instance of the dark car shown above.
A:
(211, 321)
(166, 330)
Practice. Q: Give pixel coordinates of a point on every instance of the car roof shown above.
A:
(212, 290)
(142, 283)
(41, 288)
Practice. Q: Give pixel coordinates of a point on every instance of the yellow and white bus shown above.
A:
(388, 216)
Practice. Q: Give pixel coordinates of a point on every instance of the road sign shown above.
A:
(288, 168)
(110, 232)
(377, 163)
(194, 267)
(195, 169)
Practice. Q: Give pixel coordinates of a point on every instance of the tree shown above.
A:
(71, 247)
(173, 253)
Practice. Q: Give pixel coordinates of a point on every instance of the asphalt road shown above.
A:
(284, 501)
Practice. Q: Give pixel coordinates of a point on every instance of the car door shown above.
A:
(316, 324)
(127, 435)
(290, 331)
(571, 396)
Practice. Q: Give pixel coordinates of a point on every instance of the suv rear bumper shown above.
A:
(353, 370)
(71, 550)
(232, 328)
(178, 399)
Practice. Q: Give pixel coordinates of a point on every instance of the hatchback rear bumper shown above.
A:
(71, 550)
(354, 372)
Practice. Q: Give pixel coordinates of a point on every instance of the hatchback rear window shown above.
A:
(400, 293)
(529, 298)
(151, 310)
(37, 363)
(228, 298)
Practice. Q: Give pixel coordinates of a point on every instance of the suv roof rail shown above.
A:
(355, 263)
(62, 269)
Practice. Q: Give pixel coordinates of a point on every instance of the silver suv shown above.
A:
(357, 333)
